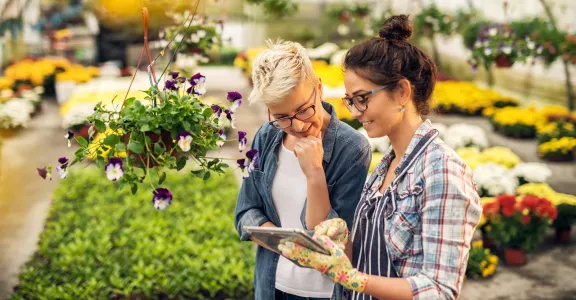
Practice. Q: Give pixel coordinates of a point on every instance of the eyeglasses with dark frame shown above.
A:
(303, 114)
(361, 101)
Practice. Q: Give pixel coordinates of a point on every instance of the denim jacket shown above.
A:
(346, 161)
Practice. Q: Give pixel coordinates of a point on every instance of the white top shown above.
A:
(289, 195)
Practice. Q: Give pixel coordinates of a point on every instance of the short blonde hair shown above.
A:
(278, 70)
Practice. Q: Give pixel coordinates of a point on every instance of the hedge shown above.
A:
(103, 243)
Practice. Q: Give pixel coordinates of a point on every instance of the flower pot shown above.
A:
(503, 61)
(145, 159)
(563, 235)
(514, 257)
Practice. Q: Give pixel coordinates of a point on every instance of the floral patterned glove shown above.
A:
(336, 229)
(336, 265)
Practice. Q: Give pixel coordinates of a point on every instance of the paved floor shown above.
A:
(25, 202)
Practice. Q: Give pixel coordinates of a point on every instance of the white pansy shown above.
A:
(185, 143)
(493, 31)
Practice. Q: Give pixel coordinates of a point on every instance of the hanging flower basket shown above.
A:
(515, 257)
(503, 61)
(161, 131)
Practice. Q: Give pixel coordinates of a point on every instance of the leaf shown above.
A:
(198, 173)
(100, 126)
(187, 126)
(224, 165)
(134, 188)
(158, 148)
(136, 147)
(207, 112)
(91, 132)
(120, 147)
(112, 140)
(145, 128)
(207, 175)
(82, 141)
(100, 162)
(162, 178)
(181, 163)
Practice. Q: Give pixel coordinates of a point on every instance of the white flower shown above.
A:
(493, 31)
(15, 113)
(185, 142)
(494, 179)
(114, 169)
(343, 29)
(323, 51)
(194, 38)
(477, 44)
(532, 172)
(507, 49)
(464, 135)
(63, 172)
(487, 51)
(77, 115)
(380, 144)
(201, 33)
(531, 45)
(338, 57)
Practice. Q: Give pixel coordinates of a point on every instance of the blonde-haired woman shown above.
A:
(311, 168)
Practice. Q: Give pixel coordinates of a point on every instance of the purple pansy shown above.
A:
(62, 169)
(241, 163)
(198, 84)
(45, 172)
(114, 169)
(174, 74)
(223, 137)
(242, 140)
(162, 198)
(236, 99)
(217, 110)
(232, 117)
(69, 135)
(170, 85)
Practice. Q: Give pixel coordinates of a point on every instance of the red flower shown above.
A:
(530, 202)
(506, 200)
(508, 211)
(525, 219)
(491, 209)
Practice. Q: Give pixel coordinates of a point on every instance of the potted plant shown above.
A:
(481, 262)
(165, 130)
(568, 48)
(519, 224)
(432, 21)
(558, 149)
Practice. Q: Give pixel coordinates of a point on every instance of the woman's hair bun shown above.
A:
(396, 28)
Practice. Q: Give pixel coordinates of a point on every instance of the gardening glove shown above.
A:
(337, 266)
(336, 229)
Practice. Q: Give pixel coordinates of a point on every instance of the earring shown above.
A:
(402, 109)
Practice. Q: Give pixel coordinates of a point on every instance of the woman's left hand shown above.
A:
(336, 265)
(310, 153)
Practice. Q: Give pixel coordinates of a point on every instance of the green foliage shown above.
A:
(277, 8)
(432, 21)
(102, 243)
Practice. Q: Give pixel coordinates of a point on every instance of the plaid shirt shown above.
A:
(438, 208)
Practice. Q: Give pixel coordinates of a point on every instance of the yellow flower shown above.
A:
(517, 115)
(376, 158)
(479, 244)
(95, 144)
(483, 264)
(6, 83)
(465, 96)
(563, 145)
(500, 155)
(488, 271)
(544, 190)
(493, 259)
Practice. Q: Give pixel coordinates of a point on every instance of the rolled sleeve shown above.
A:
(450, 213)
(347, 189)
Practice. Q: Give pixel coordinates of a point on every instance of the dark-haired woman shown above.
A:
(418, 211)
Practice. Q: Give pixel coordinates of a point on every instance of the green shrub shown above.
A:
(103, 243)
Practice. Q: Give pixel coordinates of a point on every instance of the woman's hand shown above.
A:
(336, 229)
(310, 153)
(337, 266)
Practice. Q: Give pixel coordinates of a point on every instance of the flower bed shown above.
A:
(99, 243)
(465, 98)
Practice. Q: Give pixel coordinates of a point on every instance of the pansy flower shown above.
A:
(217, 110)
(162, 198)
(236, 100)
(174, 74)
(62, 169)
(45, 172)
(252, 156)
(69, 137)
(198, 84)
(114, 169)
(170, 85)
(232, 117)
(223, 137)
(185, 141)
(242, 140)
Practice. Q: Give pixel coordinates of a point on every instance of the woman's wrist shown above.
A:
(316, 177)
